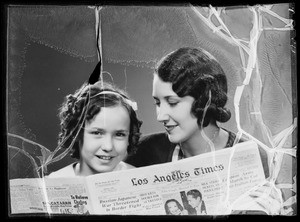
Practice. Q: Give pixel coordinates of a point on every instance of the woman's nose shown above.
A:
(162, 114)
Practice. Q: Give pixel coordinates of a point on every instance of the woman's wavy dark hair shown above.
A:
(83, 105)
(194, 72)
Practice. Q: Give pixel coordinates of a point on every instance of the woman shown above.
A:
(100, 127)
(173, 207)
(190, 93)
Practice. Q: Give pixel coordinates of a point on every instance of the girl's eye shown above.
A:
(97, 133)
(121, 134)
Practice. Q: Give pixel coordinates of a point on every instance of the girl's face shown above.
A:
(105, 141)
(174, 112)
(173, 208)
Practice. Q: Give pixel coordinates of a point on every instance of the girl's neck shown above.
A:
(81, 169)
(203, 141)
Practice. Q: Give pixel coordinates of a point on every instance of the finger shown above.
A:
(270, 206)
(260, 193)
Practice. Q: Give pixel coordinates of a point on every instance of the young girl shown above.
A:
(100, 125)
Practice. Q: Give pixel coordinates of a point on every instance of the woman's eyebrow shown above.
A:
(168, 97)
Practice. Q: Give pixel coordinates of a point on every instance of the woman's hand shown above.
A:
(264, 198)
(268, 197)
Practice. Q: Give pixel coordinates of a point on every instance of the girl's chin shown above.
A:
(101, 169)
(104, 169)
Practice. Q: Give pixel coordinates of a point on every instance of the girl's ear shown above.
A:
(80, 140)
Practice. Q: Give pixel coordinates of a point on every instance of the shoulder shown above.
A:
(156, 141)
(232, 137)
(152, 149)
(67, 171)
(123, 166)
(263, 154)
(154, 137)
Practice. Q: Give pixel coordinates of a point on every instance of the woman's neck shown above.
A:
(203, 141)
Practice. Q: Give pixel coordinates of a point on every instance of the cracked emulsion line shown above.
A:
(99, 37)
(44, 190)
(49, 211)
(212, 147)
(125, 74)
(25, 153)
(99, 43)
(80, 124)
(251, 50)
(51, 158)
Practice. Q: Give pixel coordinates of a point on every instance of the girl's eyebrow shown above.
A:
(94, 128)
(103, 130)
(98, 128)
(122, 130)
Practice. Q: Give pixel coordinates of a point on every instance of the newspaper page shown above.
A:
(52, 196)
(220, 177)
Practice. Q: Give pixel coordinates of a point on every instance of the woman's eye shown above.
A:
(173, 103)
(156, 103)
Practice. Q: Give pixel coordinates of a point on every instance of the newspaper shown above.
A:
(221, 177)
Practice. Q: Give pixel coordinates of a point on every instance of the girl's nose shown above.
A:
(107, 144)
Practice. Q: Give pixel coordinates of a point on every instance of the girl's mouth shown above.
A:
(104, 157)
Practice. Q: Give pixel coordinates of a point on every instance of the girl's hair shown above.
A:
(84, 105)
(167, 207)
(194, 72)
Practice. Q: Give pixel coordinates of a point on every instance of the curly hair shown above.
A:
(84, 105)
(194, 72)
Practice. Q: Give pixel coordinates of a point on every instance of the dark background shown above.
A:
(50, 75)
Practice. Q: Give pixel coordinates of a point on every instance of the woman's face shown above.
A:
(174, 112)
(105, 141)
(173, 208)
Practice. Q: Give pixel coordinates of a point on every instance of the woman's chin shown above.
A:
(174, 139)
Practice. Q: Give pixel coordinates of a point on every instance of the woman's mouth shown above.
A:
(169, 128)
